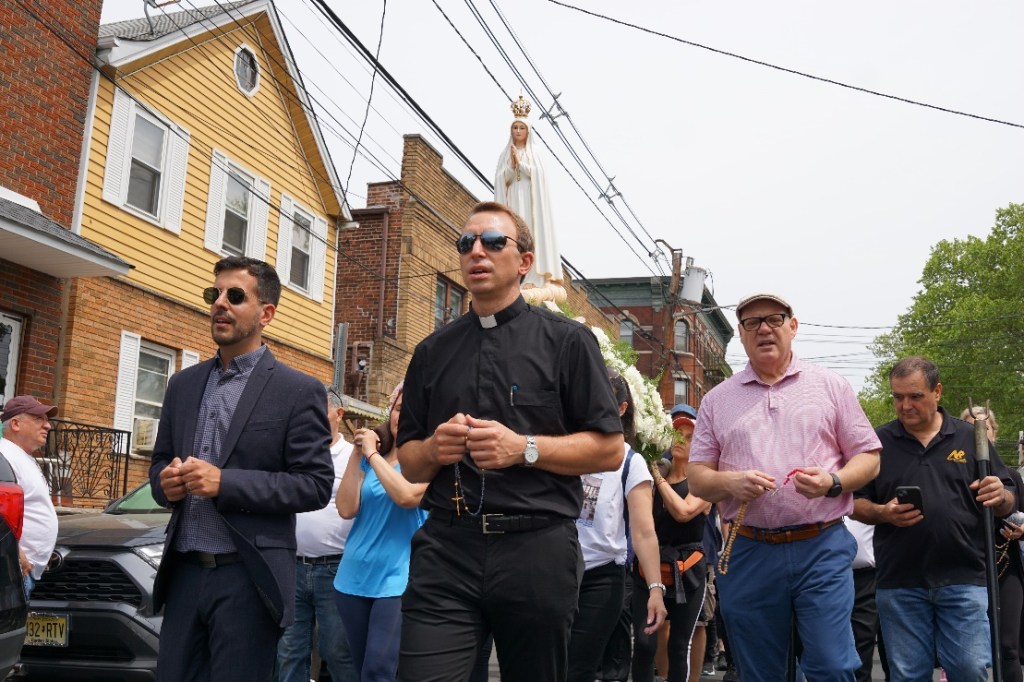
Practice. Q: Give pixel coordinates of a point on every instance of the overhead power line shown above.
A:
(369, 98)
(608, 193)
(794, 72)
(550, 150)
(390, 80)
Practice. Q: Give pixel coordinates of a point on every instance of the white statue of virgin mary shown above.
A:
(520, 183)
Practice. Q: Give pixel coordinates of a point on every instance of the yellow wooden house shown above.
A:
(202, 143)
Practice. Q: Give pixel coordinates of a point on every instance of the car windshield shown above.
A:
(138, 501)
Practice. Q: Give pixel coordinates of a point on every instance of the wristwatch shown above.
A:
(531, 454)
(837, 487)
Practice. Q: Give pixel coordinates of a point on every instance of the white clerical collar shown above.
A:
(502, 316)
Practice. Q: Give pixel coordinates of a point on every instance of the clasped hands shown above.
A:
(491, 444)
(194, 476)
(809, 481)
(367, 441)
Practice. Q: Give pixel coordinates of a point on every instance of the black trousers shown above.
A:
(682, 619)
(864, 620)
(600, 604)
(216, 628)
(521, 587)
(1011, 600)
(618, 652)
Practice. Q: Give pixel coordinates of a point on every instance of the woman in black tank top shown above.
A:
(679, 519)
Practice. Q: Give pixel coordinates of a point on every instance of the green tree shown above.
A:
(968, 318)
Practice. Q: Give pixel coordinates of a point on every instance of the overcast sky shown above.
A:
(769, 180)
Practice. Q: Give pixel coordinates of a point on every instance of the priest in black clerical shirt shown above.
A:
(504, 409)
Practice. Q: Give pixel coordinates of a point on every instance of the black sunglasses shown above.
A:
(492, 241)
(236, 295)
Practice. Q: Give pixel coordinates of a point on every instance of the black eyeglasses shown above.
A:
(754, 323)
(492, 241)
(236, 295)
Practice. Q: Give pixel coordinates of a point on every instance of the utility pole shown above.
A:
(668, 322)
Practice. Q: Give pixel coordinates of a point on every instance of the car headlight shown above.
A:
(151, 553)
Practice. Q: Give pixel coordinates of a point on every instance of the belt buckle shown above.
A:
(484, 520)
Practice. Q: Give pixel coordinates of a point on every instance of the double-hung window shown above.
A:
(302, 246)
(146, 164)
(237, 204)
(143, 370)
(237, 209)
(301, 249)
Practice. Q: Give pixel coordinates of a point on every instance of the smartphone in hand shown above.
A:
(910, 494)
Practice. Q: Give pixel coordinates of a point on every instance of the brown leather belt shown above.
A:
(781, 537)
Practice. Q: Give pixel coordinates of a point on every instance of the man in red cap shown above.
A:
(26, 422)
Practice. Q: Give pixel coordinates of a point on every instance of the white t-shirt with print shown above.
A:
(601, 527)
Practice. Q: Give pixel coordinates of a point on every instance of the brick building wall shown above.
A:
(701, 363)
(44, 85)
(36, 299)
(44, 88)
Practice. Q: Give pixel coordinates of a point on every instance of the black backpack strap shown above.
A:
(625, 475)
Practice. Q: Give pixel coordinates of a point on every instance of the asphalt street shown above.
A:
(876, 676)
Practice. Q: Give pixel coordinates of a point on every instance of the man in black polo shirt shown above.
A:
(504, 409)
(930, 566)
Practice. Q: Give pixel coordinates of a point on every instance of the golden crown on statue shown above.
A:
(521, 107)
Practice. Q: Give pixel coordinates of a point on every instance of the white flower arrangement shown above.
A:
(654, 432)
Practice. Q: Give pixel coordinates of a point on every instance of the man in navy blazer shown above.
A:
(243, 445)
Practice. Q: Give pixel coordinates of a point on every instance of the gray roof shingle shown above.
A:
(165, 23)
(40, 223)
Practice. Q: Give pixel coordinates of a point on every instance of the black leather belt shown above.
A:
(317, 560)
(208, 560)
(496, 523)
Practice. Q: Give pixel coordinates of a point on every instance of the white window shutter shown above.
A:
(214, 238)
(284, 239)
(318, 259)
(189, 358)
(127, 372)
(115, 176)
(177, 169)
(259, 213)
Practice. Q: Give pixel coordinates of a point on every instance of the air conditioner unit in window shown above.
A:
(144, 434)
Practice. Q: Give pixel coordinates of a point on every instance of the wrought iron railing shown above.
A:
(86, 464)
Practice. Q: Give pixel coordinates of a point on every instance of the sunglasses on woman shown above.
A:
(492, 241)
(236, 295)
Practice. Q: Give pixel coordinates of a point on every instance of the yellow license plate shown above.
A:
(47, 629)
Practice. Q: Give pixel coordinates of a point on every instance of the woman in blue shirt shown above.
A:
(375, 565)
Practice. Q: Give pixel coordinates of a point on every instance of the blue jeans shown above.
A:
(951, 621)
(767, 585)
(30, 584)
(314, 605)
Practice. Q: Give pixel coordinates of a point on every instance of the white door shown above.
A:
(10, 345)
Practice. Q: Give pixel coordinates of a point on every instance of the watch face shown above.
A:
(531, 454)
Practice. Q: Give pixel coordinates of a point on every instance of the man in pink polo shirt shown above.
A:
(781, 446)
